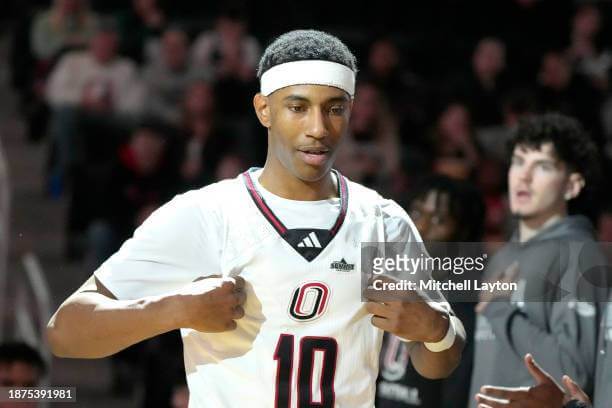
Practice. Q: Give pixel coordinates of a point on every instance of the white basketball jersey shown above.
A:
(306, 339)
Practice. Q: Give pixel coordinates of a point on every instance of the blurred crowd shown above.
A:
(141, 100)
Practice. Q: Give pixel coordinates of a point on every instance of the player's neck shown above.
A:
(278, 181)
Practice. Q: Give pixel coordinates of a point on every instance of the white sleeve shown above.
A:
(400, 228)
(60, 88)
(176, 244)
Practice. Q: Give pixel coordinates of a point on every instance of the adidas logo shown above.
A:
(310, 241)
(342, 266)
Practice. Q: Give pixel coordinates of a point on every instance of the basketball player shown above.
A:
(262, 272)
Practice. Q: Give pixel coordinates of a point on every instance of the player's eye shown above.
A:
(337, 110)
(296, 108)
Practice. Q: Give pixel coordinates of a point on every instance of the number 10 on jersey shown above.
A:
(308, 348)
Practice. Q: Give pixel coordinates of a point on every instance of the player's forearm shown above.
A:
(436, 365)
(91, 325)
(441, 364)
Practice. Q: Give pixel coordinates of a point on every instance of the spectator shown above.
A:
(96, 82)
(68, 24)
(526, 46)
(96, 79)
(443, 210)
(545, 393)
(493, 140)
(516, 104)
(232, 54)
(165, 81)
(20, 365)
(164, 372)
(371, 150)
(455, 152)
(228, 49)
(405, 91)
(139, 28)
(553, 159)
(205, 140)
(137, 183)
(585, 50)
(561, 90)
(483, 86)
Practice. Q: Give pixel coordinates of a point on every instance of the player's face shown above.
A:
(306, 124)
(431, 215)
(538, 183)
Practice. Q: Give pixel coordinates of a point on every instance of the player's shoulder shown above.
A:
(367, 197)
(215, 195)
(398, 224)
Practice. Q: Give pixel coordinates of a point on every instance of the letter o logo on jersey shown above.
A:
(309, 301)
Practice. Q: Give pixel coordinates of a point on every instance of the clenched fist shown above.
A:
(212, 304)
(407, 314)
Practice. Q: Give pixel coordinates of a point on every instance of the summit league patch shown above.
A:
(342, 266)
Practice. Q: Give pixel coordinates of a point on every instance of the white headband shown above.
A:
(308, 72)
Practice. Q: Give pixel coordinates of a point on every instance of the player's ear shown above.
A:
(262, 109)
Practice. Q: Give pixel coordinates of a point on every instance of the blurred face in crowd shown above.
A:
(431, 215)
(199, 99)
(489, 57)
(305, 126)
(231, 29)
(174, 49)
(148, 149)
(587, 21)
(539, 184)
(365, 108)
(68, 7)
(104, 46)
(384, 57)
(144, 5)
(18, 374)
(454, 122)
(555, 71)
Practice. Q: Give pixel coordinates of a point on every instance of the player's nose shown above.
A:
(317, 124)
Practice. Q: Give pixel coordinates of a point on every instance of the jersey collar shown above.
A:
(296, 237)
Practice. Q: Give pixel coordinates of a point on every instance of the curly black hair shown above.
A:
(301, 45)
(571, 144)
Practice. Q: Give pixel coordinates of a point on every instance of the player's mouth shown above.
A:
(314, 156)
